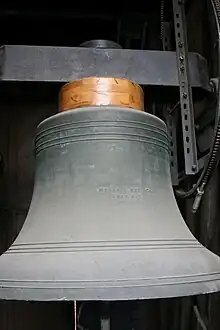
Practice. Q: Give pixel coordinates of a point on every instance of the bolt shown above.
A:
(194, 168)
(182, 68)
(181, 58)
(185, 95)
(180, 44)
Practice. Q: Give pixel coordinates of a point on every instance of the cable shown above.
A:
(199, 318)
(79, 326)
(214, 150)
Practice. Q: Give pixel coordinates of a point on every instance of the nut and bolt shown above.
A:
(181, 58)
(194, 168)
(180, 44)
(182, 68)
(185, 95)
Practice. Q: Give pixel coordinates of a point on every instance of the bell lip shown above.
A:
(44, 286)
(106, 108)
(109, 294)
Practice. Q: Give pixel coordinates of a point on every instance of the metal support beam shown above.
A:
(62, 64)
(170, 118)
(185, 82)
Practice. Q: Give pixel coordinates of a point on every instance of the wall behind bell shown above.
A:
(18, 121)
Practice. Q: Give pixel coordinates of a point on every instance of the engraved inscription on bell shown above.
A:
(122, 192)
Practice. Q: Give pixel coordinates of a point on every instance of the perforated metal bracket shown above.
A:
(186, 102)
(170, 117)
(170, 120)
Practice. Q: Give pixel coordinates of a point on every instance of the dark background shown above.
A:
(136, 26)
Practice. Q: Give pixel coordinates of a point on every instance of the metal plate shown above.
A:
(61, 64)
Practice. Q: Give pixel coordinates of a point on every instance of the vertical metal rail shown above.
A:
(186, 102)
(170, 118)
(75, 315)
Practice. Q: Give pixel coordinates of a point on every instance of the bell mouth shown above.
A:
(101, 91)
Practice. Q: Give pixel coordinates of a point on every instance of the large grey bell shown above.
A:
(103, 222)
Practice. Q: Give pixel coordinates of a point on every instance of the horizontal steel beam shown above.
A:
(62, 64)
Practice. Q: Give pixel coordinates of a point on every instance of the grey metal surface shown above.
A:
(103, 222)
(62, 64)
(185, 81)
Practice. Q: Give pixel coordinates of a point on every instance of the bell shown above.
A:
(103, 222)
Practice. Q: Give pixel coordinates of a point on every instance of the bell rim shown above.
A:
(134, 282)
(111, 293)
